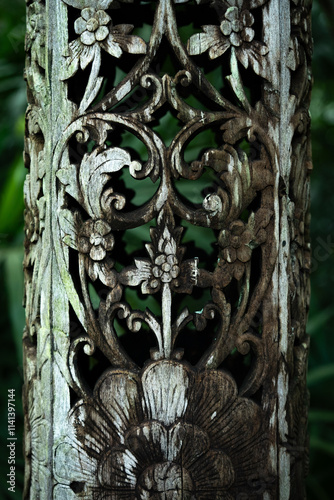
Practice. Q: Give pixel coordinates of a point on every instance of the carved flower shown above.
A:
(163, 268)
(31, 223)
(301, 41)
(166, 264)
(235, 31)
(95, 239)
(97, 31)
(92, 26)
(236, 27)
(166, 267)
(35, 35)
(176, 434)
(239, 241)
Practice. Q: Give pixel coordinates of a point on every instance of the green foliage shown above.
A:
(12, 172)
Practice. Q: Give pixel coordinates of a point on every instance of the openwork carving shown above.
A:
(167, 348)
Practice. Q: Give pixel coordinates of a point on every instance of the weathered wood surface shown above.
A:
(165, 373)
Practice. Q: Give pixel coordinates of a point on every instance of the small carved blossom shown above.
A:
(165, 266)
(95, 239)
(238, 241)
(156, 445)
(97, 32)
(236, 26)
(234, 32)
(92, 26)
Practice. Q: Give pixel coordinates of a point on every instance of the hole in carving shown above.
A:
(135, 239)
(91, 367)
(238, 365)
(137, 344)
(166, 125)
(200, 143)
(195, 342)
(77, 487)
(200, 243)
(94, 297)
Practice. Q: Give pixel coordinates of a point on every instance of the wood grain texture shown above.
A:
(158, 366)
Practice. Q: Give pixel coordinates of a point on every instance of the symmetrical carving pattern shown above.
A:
(167, 360)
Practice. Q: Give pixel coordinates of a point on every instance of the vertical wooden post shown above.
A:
(167, 279)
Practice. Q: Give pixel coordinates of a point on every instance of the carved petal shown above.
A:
(214, 31)
(97, 252)
(87, 55)
(214, 470)
(130, 43)
(247, 18)
(80, 25)
(72, 61)
(253, 55)
(219, 49)
(124, 29)
(247, 34)
(119, 395)
(166, 386)
(84, 416)
(102, 17)
(200, 42)
(101, 33)
(149, 442)
(133, 276)
(244, 253)
(87, 13)
(111, 46)
(213, 393)
(189, 440)
(102, 227)
(118, 469)
(232, 14)
(87, 38)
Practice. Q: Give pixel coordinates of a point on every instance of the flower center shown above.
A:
(95, 240)
(92, 24)
(168, 480)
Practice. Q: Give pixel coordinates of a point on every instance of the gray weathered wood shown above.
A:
(123, 401)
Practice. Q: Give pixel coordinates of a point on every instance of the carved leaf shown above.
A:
(95, 171)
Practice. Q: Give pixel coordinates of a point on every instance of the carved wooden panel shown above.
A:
(167, 249)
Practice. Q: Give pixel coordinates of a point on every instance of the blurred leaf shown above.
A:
(321, 416)
(321, 445)
(318, 492)
(318, 320)
(12, 258)
(320, 374)
(11, 199)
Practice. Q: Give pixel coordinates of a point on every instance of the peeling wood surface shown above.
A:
(154, 367)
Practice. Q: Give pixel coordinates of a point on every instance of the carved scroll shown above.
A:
(167, 284)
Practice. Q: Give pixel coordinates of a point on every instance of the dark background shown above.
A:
(12, 173)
